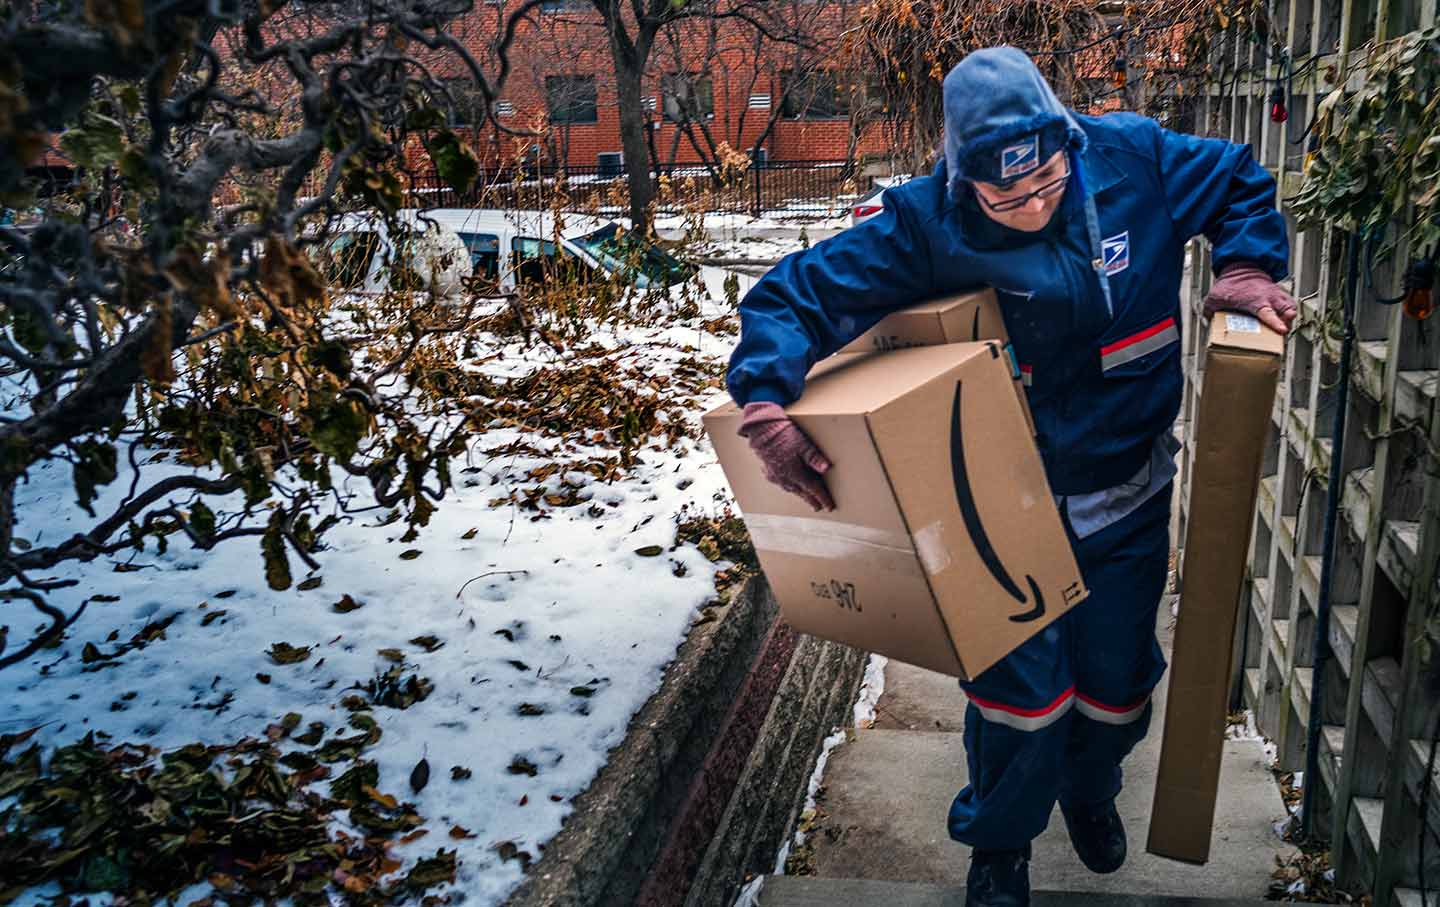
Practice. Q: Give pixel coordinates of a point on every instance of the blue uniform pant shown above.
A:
(1053, 719)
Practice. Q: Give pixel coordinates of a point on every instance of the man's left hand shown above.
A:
(1245, 288)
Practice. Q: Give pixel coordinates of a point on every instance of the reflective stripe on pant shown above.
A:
(1053, 720)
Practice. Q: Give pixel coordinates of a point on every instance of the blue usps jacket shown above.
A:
(1103, 381)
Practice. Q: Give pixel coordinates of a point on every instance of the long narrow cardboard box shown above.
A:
(1242, 362)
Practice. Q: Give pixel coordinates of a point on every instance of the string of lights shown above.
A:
(1119, 65)
(1117, 33)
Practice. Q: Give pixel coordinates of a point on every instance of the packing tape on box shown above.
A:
(810, 537)
(931, 548)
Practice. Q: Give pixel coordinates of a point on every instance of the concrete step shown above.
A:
(809, 891)
(886, 794)
(1409, 897)
(919, 700)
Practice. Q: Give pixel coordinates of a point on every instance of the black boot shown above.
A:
(998, 878)
(1097, 834)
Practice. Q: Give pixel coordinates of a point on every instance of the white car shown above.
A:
(871, 204)
(504, 248)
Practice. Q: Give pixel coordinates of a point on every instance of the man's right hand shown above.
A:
(790, 459)
(1243, 287)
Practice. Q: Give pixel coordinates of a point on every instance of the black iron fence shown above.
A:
(782, 188)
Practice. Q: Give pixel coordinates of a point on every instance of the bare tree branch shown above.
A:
(59, 622)
(164, 304)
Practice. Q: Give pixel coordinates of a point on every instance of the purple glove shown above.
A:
(1245, 288)
(789, 458)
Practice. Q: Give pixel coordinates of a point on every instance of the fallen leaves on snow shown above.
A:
(146, 824)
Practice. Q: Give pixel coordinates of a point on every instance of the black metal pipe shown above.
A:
(1327, 561)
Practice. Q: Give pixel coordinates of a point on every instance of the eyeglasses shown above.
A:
(1019, 201)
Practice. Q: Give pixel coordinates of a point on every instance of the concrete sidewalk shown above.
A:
(886, 795)
(790, 891)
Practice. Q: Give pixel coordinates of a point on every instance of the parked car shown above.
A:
(502, 248)
(360, 255)
(872, 203)
(12, 262)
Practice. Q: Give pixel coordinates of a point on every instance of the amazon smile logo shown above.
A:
(970, 513)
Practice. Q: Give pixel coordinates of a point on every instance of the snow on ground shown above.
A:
(737, 225)
(749, 895)
(737, 238)
(872, 687)
(1250, 731)
(559, 615)
(753, 248)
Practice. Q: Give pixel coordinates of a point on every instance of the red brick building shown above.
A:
(711, 86)
(714, 90)
(723, 83)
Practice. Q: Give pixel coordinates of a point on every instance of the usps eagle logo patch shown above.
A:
(1018, 160)
(1116, 250)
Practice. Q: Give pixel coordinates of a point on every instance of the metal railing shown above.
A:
(799, 189)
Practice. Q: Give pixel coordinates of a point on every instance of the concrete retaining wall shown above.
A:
(817, 696)
(712, 771)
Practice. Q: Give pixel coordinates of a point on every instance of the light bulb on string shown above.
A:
(1419, 298)
(1278, 113)
(1417, 287)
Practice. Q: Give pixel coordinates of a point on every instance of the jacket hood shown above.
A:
(1002, 119)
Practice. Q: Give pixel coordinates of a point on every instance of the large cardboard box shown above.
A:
(1242, 361)
(958, 318)
(945, 549)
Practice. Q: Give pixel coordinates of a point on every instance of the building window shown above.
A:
(1094, 91)
(874, 98)
(571, 99)
(687, 97)
(469, 103)
(816, 95)
(610, 164)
